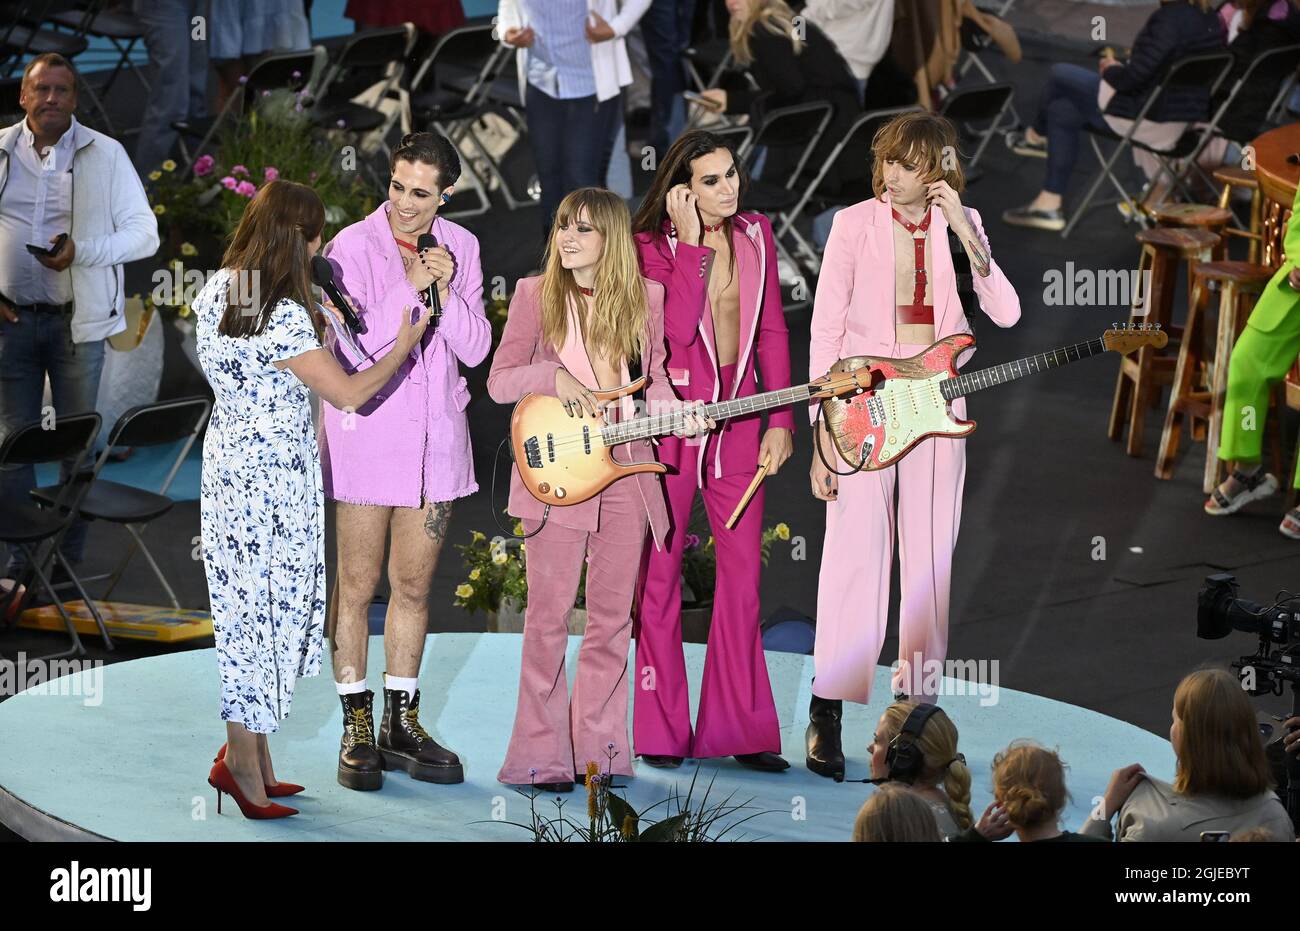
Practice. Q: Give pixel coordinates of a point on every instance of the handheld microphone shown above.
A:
(322, 275)
(429, 241)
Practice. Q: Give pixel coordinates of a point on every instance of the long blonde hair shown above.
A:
(938, 745)
(1220, 751)
(895, 813)
(616, 324)
(773, 15)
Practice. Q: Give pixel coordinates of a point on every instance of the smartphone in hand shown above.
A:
(51, 250)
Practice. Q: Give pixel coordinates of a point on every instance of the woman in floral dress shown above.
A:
(261, 503)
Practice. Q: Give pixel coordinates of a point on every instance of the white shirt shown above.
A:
(35, 206)
(859, 29)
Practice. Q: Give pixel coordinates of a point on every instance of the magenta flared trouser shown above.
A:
(737, 713)
(853, 587)
(556, 735)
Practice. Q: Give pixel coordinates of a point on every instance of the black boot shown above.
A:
(359, 763)
(825, 755)
(404, 744)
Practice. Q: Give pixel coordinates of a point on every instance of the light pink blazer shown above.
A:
(854, 308)
(524, 363)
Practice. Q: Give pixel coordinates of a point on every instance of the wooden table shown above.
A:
(1278, 179)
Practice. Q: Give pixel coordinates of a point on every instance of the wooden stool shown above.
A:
(1232, 177)
(1234, 281)
(1195, 216)
(1143, 373)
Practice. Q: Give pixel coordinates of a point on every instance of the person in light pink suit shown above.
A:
(724, 323)
(888, 288)
(577, 328)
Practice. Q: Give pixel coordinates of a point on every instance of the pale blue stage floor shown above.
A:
(128, 759)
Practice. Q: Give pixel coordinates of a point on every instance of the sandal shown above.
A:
(1290, 526)
(1251, 486)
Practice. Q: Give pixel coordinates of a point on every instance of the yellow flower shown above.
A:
(169, 165)
(519, 528)
(183, 310)
(499, 558)
(155, 175)
(187, 248)
(628, 830)
(464, 590)
(591, 795)
(476, 537)
(159, 209)
(782, 532)
(473, 576)
(593, 769)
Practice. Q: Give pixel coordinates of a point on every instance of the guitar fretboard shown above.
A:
(1010, 371)
(667, 422)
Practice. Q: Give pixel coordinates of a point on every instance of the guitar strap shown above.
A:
(965, 280)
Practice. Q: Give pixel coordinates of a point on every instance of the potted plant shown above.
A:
(497, 583)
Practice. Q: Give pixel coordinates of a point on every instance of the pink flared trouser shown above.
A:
(555, 736)
(853, 587)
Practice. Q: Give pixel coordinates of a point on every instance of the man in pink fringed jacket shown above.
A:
(395, 465)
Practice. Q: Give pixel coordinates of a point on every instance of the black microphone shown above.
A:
(322, 275)
(429, 241)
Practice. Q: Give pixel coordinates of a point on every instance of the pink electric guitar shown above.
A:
(875, 427)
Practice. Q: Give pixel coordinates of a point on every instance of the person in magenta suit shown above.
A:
(888, 288)
(577, 328)
(725, 325)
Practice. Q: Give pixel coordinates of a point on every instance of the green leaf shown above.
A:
(619, 811)
(665, 831)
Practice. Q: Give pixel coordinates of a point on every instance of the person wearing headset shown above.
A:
(915, 743)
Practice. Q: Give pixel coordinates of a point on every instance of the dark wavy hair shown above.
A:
(675, 168)
(432, 149)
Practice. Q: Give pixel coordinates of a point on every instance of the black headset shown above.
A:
(903, 757)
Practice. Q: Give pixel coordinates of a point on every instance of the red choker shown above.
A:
(589, 292)
(714, 229)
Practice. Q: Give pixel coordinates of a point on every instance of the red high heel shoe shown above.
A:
(221, 779)
(279, 790)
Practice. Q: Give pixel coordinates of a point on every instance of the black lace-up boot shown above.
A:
(359, 763)
(404, 744)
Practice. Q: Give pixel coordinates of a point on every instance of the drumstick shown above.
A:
(749, 492)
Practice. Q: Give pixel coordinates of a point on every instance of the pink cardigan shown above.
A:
(853, 311)
(525, 364)
(683, 269)
(414, 431)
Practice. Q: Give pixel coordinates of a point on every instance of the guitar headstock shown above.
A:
(1124, 338)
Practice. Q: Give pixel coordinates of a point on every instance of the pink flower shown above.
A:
(240, 171)
(312, 176)
(271, 173)
(246, 188)
(203, 165)
(691, 541)
(229, 183)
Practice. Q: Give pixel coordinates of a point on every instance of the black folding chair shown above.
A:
(1194, 71)
(374, 57)
(24, 37)
(975, 106)
(10, 111)
(976, 41)
(119, 26)
(179, 421)
(295, 71)
(36, 532)
(451, 90)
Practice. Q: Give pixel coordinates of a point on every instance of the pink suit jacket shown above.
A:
(683, 270)
(854, 308)
(524, 363)
(414, 429)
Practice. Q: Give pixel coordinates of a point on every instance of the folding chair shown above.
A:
(799, 128)
(117, 26)
(374, 50)
(451, 90)
(10, 111)
(179, 421)
(712, 56)
(1194, 71)
(24, 37)
(37, 533)
(272, 71)
(973, 105)
(852, 151)
(975, 41)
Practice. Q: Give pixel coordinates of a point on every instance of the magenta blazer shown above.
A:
(525, 364)
(414, 430)
(683, 270)
(854, 308)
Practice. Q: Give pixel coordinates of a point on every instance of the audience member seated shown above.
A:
(859, 29)
(1029, 784)
(939, 762)
(1111, 98)
(1223, 782)
(895, 814)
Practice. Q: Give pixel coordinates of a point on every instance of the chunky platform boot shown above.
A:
(405, 745)
(825, 754)
(359, 764)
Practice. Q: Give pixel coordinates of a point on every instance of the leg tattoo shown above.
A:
(436, 520)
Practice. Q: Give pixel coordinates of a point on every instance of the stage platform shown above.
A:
(122, 752)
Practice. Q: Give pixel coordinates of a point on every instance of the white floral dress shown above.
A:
(263, 511)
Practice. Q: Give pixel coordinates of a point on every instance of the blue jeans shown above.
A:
(666, 28)
(571, 142)
(1069, 105)
(180, 76)
(36, 345)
